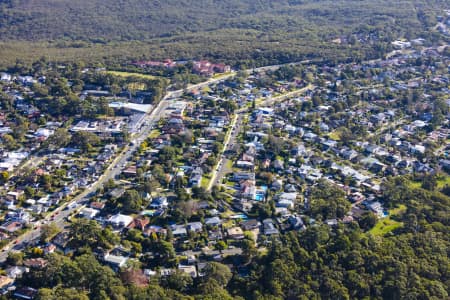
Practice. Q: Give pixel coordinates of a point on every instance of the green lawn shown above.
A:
(415, 184)
(386, 225)
(220, 75)
(129, 74)
(443, 181)
(154, 133)
(205, 182)
(335, 136)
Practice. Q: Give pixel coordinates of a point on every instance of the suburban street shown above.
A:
(59, 215)
(221, 168)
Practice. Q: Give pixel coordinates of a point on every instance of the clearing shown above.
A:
(129, 74)
(386, 225)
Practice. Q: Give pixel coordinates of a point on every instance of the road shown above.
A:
(59, 215)
(220, 169)
(286, 96)
(201, 85)
(220, 164)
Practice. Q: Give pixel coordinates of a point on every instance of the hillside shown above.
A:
(236, 30)
(139, 19)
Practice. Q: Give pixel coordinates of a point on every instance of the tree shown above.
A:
(9, 141)
(60, 138)
(367, 220)
(166, 249)
(131, 201)
(328, 201)
(217, 272)
(221, 245)
(4, 176)
(89, 233)
(134, 277)
(179, 281)
(61, 293)
(48, 231)
(15, 258)
(85, 140)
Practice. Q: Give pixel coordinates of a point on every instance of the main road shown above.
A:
(59, 215)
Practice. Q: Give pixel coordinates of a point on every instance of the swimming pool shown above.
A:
(239, 216)
(259, 197)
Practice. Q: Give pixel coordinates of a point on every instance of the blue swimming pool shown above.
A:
(239, 216)
(259, 197)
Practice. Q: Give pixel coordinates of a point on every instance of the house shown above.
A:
(196, 177)
(445, 164)
(299, 150)
(120, 221)
(250, 224)
(238, 176)
(89, 213)
(16, 271)
(11, 227)
(97, 205)
(277, 185)
(296, 222)
(50, 248)
(117, 192)
(348, 154)
(61, 241)
(194, 226)
(417, 149)
(15, 195)
(115, 261)
(248, 189)
(235, 233)
(179, 230)
(37, 263)
(215, 235)
(3, 236)
(26, 293)
(278, 165)
(377, 208)
(159, 203)
(154, 229)
(130, 171)
(269, 227)
(5, 77)
(5, 282)
(21, 216)
(190, 270)
(245, 164)
(139, 223)
(213, 221)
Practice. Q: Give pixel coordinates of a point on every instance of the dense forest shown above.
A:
(321, 262)
(249, 32)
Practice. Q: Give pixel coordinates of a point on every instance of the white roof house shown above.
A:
(89, 213)
(120, 220)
